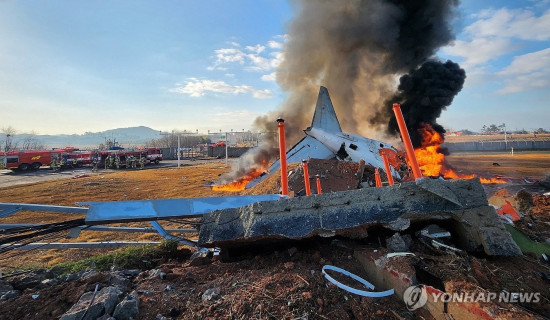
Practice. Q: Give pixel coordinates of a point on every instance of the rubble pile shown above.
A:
(351, 213)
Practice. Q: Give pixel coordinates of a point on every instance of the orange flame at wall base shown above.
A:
(240, 184)
(432, 162)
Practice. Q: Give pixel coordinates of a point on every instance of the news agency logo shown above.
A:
(415, 297)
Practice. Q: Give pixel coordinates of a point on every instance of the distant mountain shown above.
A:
(126, 137)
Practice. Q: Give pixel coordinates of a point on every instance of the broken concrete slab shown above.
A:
(351, 213)
(439, 189)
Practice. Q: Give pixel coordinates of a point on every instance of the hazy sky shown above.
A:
(77, 65)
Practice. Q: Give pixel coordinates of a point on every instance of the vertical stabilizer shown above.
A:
(325, 117)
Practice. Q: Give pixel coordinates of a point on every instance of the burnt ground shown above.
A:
(279, 281)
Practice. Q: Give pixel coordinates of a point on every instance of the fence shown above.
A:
(518, 145)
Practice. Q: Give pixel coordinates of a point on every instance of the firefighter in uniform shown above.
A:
(53, 164)
(133, 162)
(141, 162)
(107, 160)
(117, 162)
(75, 162)
(94, 162)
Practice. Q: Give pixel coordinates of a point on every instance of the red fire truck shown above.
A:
(70, 158)
(122, 157)
(153, 155)
(34, 159)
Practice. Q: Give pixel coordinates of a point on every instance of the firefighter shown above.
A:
(53, 164)
(111, 161)
(63, 162)
(107, 161)
(75, 162)
(141, 162)
(94, 162)
(133, 162)
(117, 162)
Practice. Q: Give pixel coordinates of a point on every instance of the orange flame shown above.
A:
(240, 183)
(432, 161)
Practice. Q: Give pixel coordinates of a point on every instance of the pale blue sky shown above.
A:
(76, 66)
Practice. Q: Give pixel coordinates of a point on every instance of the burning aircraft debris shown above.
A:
(325, 140)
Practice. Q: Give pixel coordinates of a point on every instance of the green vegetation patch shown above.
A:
(526, 244)
(135, 257)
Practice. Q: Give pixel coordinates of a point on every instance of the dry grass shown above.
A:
(186, 182)
(519, 165)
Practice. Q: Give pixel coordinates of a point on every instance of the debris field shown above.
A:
(273, 279)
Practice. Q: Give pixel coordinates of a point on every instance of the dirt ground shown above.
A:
(275, 283)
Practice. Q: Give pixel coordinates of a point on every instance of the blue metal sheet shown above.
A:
(9, 208)
(117, 211)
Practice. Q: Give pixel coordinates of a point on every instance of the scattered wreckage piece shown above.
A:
(108, 212)
(351, 213)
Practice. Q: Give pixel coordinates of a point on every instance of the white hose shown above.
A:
(371, 294)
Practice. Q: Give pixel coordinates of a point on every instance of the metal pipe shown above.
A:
(306, 178)
(377, 178)
(282, 156)
(407, 141)
(318, 180)
(387, 168)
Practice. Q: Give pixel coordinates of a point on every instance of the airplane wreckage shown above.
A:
(234, 222)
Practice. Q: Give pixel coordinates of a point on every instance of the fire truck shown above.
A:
(153, 155)
(29, 160)
(70, 157)
(34, 159)
(122, 157)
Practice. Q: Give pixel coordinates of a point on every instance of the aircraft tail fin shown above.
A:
(325, 116)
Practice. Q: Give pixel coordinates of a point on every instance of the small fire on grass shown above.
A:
(241, 183)
(432, 162)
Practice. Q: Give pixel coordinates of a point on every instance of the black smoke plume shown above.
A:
(355, 48)
(423, 94)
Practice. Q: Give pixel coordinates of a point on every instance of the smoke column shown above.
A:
(357, 49)
(423, 94)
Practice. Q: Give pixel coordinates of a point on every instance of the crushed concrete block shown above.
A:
(104, 302)
(438, 189)
(351, 213)
(128, 308)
